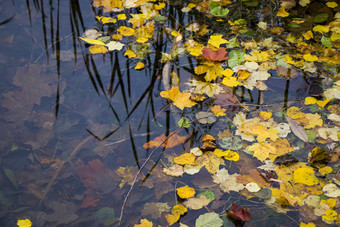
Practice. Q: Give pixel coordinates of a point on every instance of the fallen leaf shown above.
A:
(186, 158)
(241, 214)
(298, 130)
(98, 49)
(196, 203)
(93, 41)
(185, 192)
(171, 142)
(144, 223)
(155, 210)
(218, 55)
(115, 45)
(181, 100)
(175, 170)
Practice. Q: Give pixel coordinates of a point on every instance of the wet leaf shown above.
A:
(186, 192)
(139, 66)
(93, 41)
(186, 158)
(172, 141)
(144, 223)
(241, 214)
(218, 55)
(155, 210)
(174, 170)
(24, 223)
(298, 130)
(205, 117)
(305, 175)
(181, 100)
(217, 40)
(209, 220)
(115, 45)
(98, 49)
(196, 203)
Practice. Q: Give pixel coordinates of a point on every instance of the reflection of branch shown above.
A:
(140, 170)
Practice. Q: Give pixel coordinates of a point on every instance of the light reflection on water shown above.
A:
(55, 97)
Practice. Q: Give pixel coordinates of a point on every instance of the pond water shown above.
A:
(74, 124)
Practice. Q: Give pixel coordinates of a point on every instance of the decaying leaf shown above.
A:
(298, 130)
(197, 203)
(172, 141)
(241, 214)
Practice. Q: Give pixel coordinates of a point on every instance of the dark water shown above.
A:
(70, 119)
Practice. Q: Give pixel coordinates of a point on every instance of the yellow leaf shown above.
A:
(176, 212)
(210, 161)
(185, 159)
(262, 150)
(310, 57)
(93, 41)
(159, 6)
(126, 31)
(305, 175)
(140, 65)
(329, 202)
(265, 115)
(109, 5)
(325, 170)
(106, 20)
(130, 54)
(142, 40)
(310, 100)
(24, 223)
(295, 113)
(98, 49)
(114, 45)
(335, 36)
(121, 16)
(282, 13)
(117, 37)
(263, 133)
(310, 224)
(257, 56)
(308, 35)
(217, 40)
(172, 218)
(181, 100)
(144, 223)
(230, 82)
(175, 33)
(227, 72)
(330, 215)
(228, 154)
(332, 4)
(218, 111)
(243, 74)
(185, 192)
(313, 120)
(321, 29)
(304, 3)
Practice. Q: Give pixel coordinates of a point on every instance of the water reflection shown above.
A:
(71, 119)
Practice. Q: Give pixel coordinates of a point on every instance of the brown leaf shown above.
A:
(298, 130)
(173, 141)
(241, 214)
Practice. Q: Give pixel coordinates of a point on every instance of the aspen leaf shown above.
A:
(332, 4)
(93, 41)
(210, 161)
(330, 216)
(106, 20)
(98, 49)
(265, 115)
(144, 223)
(228, 154)
(230, 82)
(321, 29)
(126, 31)
(305, 175)
(185, 192)
(209, 220)
(218, 55)
(186, 158)
(331, 190)
(175, 170)
(181, 100)
(176, 213)
(282, 12)
(252, 187)
(121, 16)
(227, 72)
(197, 203)
(139, 65)
(310, 57)
(130, 54)
(218, 111)
(24, 223)
(308, 35)
(115, 45)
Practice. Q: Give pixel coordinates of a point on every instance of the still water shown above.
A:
(70, 119)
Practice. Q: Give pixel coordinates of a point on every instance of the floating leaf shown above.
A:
(209, 220)
(175, 170)
(139, 65)
(241, 214)
(93, 41)
(181, 100)
(217, 10)
(172, 141)
(24, 223)
(218, 55)
(217, 40)
(197, 203)
(298, 130)
(144, 223)
(305, 175)
(115, 45)
(186, 158)
(98, 49)
(186, 192)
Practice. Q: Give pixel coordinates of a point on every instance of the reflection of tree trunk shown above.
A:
(286, 95)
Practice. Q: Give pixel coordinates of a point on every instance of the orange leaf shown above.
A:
(173, 141)
(218, 55)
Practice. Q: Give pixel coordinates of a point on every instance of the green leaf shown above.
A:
(311, 136)
(218, 11)
(183, 122)
(209, 220)
(236, 58)
(320, 18)
(105, 214)
(209, 194)
(326, 41)
(161, 19)
(232, 143)
(233, 43)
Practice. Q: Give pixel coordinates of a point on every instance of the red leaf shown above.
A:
(241, 214)
(218, 55)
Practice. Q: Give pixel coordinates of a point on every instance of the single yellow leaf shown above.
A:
(140, 65)
(218, 111)
(159, 6)
(330, 215)
(142, 40)
(263, 115)
(282, 13)
(185, 159)
(24, 223)
(126, 31)
(313, 120)
(332, 4)
(130, 54)
(98, 49)
(121, 16)
(308, 35)
(175, 33)
(243, 74)
(295, 113)
(106, 20)
(310, 224)
(321, 29)
(305, 175)
(228, 154)
(179, 209)
(217, 40)
(172, 218)
(185, 192)
(262, 150)
(93, 41)
(310, 100)
(325, 170)
(227, 72)
(117, 37)
(144, 223)
(181, 100)
(329, 202)
(310, 57)
(230, 81)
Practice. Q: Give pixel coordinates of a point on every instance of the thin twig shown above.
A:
(139, 171)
